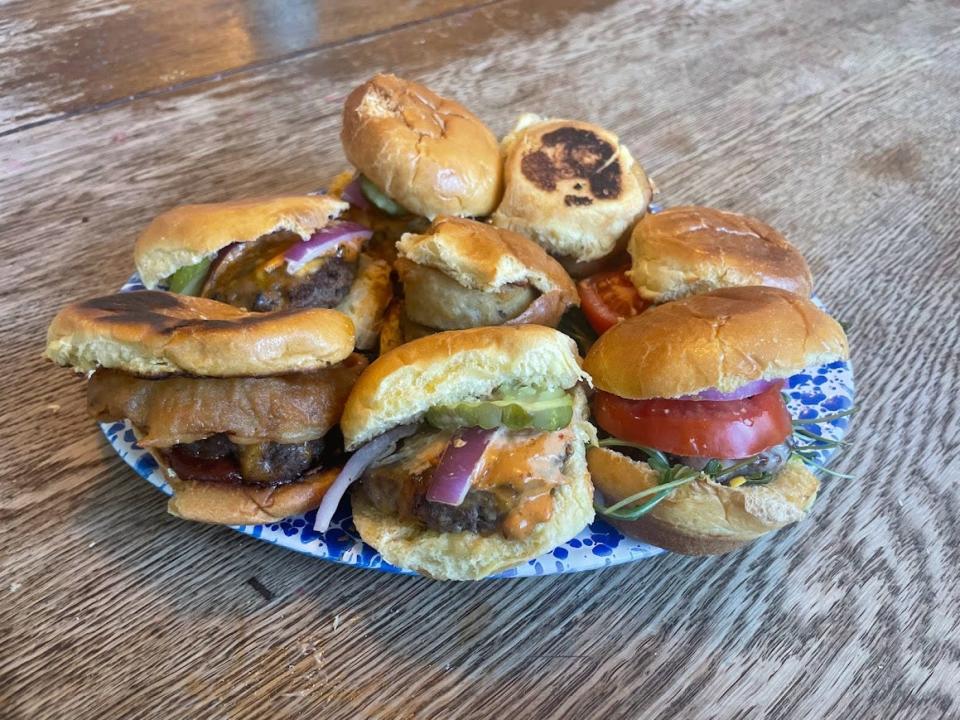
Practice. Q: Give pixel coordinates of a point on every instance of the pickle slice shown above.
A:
(189, 280)
(380, 198)
(517, 409)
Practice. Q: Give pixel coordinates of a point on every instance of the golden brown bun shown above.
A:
(367, 300)
(722, 339)
(469, 556)
(570, 186)
(440, 369)
(703, 517)
(428, 153)
(687, 250)
(151, 333)
(244, 505)
(483, 257)
(188, 234)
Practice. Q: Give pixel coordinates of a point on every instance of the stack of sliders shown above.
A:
(237, 408)
(451, 255)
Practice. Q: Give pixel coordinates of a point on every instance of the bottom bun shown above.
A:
(703, 517)
(367, 300)
(225, 504)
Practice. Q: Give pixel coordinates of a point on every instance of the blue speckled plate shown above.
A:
(818, 391)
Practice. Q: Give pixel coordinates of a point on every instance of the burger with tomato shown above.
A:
(698, 454)
(268, 254)
(462, 273)
(239, 409)
(573, 188)
(686, 250)
(468, 451)
(417, 155)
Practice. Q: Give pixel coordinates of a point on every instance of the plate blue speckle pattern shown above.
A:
(818, 391)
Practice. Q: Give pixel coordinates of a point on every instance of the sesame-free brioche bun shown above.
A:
(227, 504)
(400, 386)
(152, 334)
(570, 186)
(688, 250)
(367, 300)
(703, 517)
(470, 556)
(188, 234)
(428, 153)
(722, 339)
(484, 257)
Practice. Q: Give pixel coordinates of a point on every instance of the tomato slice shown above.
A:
(609, 297)
(723, 429)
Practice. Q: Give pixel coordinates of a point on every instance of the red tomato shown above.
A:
(724, 429)
(609, 297)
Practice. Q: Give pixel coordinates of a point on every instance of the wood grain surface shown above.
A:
(837, 122)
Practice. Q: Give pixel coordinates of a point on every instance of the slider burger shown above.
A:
(469, 451)
(573, 188)
(236, 407)
(417, 155)
(687, 250)
(699, 457)
(269, 254)
(462, 273)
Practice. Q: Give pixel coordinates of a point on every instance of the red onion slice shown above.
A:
(354, 195)
(363, 458)
(744, 391)
(323, 241)
(451, 478)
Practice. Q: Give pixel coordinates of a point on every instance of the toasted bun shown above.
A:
(571, 186)
(367, 300)
(245, 505)
(469, 556)
(484, 257)
(722, 339)
(402, 385)
(430, 154)
(687, 250)
(151, 333)
(190, 233)
(703, 517)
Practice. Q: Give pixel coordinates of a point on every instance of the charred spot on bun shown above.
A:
(469, 451)
(239, 409)
(688, 394)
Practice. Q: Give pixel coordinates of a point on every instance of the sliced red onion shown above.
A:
(322, 241)
(744, 391)
(354, 195)
(378, 448)
(451, 478)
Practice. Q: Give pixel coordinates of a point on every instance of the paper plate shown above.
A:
(816, 392)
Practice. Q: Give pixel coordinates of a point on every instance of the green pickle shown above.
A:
(380, 198)
(189, 280)
(514, 408)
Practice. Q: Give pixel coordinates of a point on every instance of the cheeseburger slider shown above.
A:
(269, 254)
(236, 407)
(700, 454)
(573, 188)
(417, 155)
(469, 451)
(462, 273)
(687, 250)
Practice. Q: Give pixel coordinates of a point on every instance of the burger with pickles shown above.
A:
(699, 454)
(468, 451)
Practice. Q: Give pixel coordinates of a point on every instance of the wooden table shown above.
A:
(837, 122)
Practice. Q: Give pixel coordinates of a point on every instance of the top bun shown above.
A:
(187, 234)
(688, 250)
(152, 334)
(722, 339)
(483, 257)
(571, 186)
(430, 154)
(400, 386)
